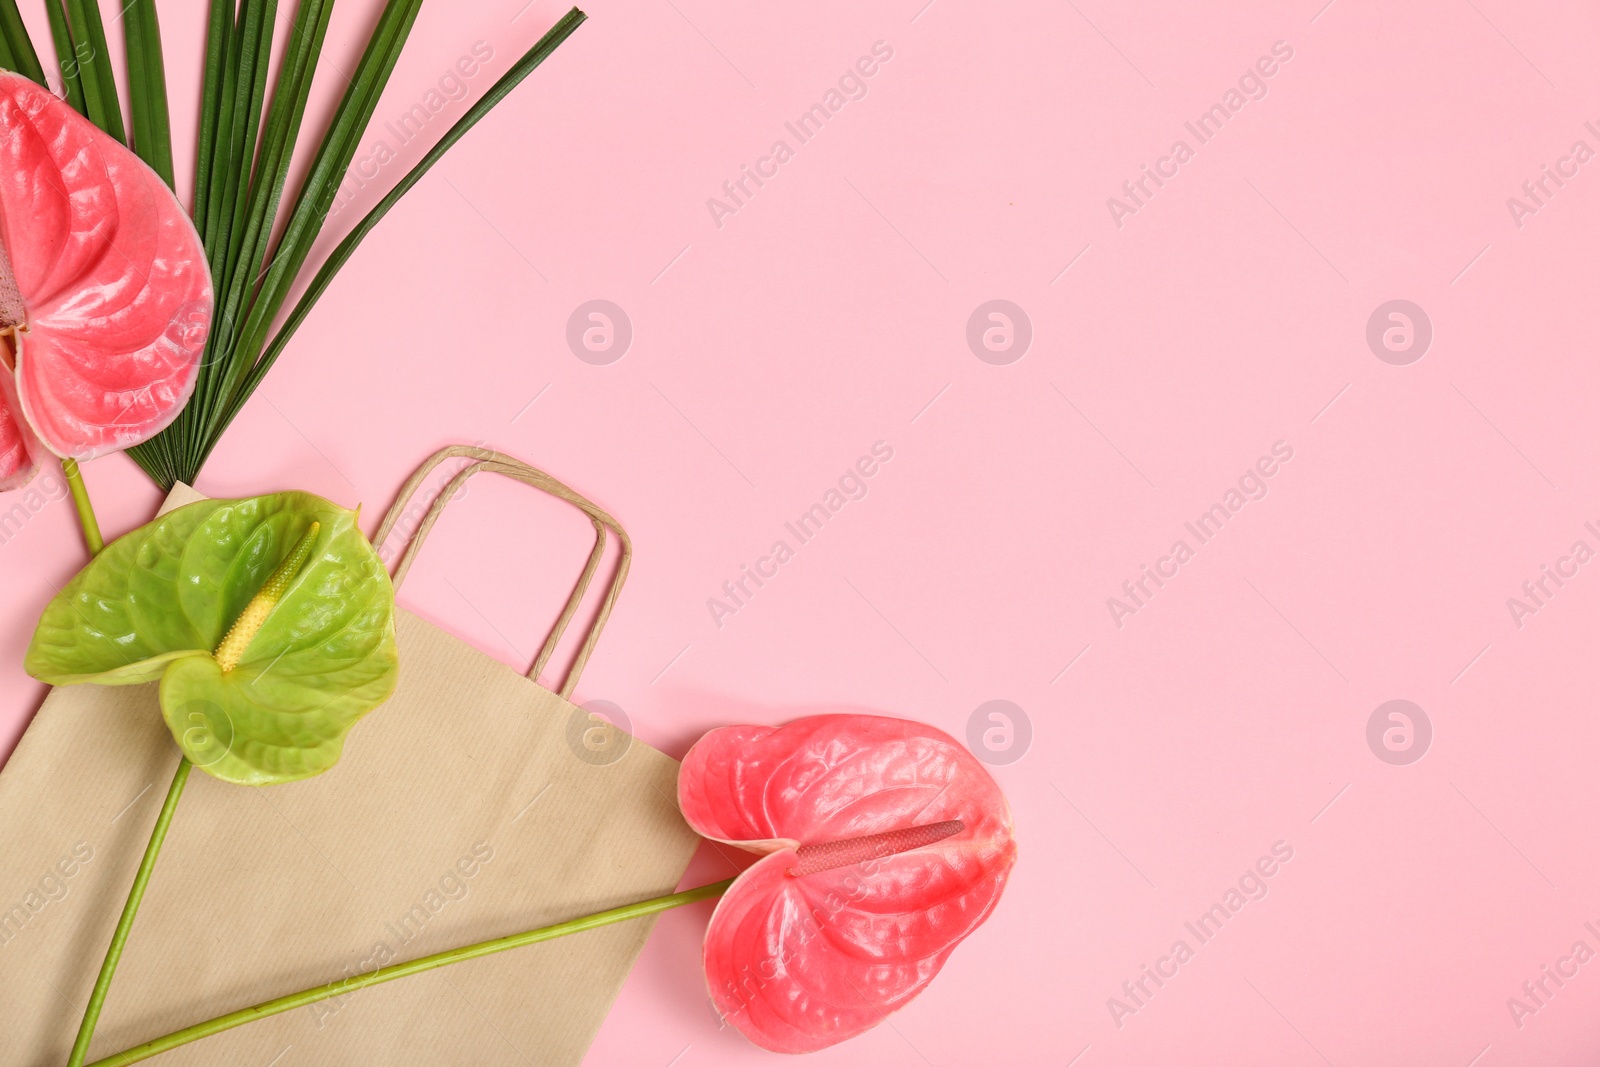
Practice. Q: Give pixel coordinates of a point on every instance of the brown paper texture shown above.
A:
(463, 809)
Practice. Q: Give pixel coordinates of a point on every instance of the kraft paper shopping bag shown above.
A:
(474, 803)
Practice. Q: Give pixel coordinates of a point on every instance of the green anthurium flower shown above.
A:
(269, 623)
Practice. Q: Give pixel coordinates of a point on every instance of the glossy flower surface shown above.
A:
(269, 623)
(104, 290)
(884, 843)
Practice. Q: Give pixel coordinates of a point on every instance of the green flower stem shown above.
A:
(80, 497)
(341, 986)
(97, 999)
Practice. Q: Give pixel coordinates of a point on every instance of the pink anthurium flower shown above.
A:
(884, 843)
(105, 296)
(19, 449)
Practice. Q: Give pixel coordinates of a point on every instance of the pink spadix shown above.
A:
(853, 851)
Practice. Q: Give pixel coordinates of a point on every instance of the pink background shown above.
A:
(830, 312)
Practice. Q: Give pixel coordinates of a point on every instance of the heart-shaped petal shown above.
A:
(800, 961)
(112, 276)
(156, 604)
(19, 448)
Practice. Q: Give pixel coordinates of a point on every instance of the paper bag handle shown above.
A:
(485, 459)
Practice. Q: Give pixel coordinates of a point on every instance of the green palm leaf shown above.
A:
(243, 158)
